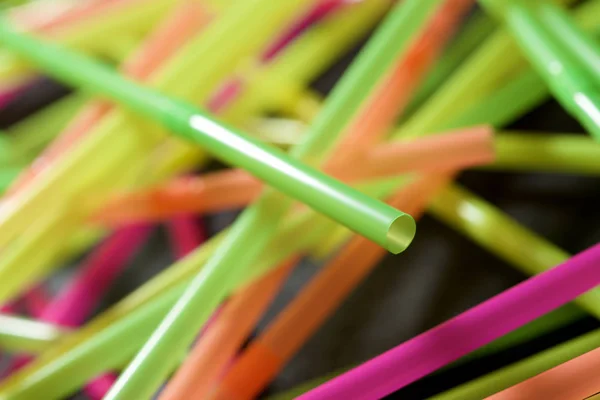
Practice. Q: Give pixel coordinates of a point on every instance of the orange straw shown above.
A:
(217, 347)
(235, 188)
(185, 21)
(390, 99)
(284, 336)
(574, 380)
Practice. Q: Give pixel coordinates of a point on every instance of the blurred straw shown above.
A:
(25, 335)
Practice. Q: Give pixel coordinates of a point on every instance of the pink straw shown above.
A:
(467, 332)
(185, 234)
(79, 299)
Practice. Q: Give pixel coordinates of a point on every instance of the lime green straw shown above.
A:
(508, 376)
(25, 335)
(566, 153)
(524, 92)
(570, 77)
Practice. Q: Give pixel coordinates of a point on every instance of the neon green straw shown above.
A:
(574, 79)
(25, 335)
(496, 381)
(522, 151)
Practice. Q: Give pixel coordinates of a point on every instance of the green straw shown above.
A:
(258, 224)
(477, 28)
(574, 80)
(24, 335)
(563, 153)
(486, 70)
(492, 229)
(506, 377)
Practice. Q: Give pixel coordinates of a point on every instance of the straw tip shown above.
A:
(401, 233)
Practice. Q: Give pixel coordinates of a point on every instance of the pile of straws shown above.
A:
(161, 86)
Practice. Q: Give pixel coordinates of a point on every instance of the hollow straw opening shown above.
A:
(400, 234)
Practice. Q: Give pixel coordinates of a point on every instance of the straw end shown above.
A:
(400, 234)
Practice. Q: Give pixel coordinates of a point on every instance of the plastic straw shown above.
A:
(575, 83)
(185, 235)
(284, 336)
(31, 135)
(476, 218)
(575, 379)
(217, 347)
(232, 88)
(563, 153)
(81, 296)
(235, 188)
(24, 335)
(476, 29)
(472, 329)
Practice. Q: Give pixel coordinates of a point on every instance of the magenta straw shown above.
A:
(75, 304)
(467, 332)
(185, 234)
